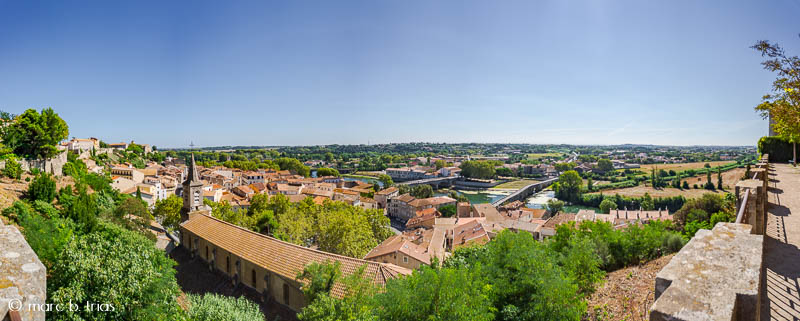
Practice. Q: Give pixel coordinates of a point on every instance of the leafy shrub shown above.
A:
(43, 188)
(13, 169)
(448, 210)
(117, 266)
(215, 307)
(619, 248)
(47, 237)
(779, 149)
(673, 242)
(607, 205)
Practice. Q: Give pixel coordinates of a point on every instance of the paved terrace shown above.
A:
(781, 254)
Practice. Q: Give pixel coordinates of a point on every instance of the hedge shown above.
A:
(779, 149)
(633, 203)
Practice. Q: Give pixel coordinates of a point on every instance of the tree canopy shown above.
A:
(36, 135)
(478, 169)
(783, 103)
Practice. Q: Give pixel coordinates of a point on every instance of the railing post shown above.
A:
(755, 209)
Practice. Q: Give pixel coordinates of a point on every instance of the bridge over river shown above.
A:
(435, 182)
(526, 191)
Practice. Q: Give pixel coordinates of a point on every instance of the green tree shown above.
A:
(262, 210)
(582, 264)
(422, 191)
(526, 282)
(449, 210)
(478, 169)
(386, 180)
(47, 236)
(327, 172)
(341, 232)
(357, 303)
(589, 184)
(554, 206)
(42, 188)
(113, 265)
(329, 157)
(782, 105)
(719, 179)
(709, 185)
(436, 294)
(83, 209)
(458, 197)
(320, 278)
(35, 135)
(605, 165)
(168, 210)
(439, 163)
(647, 202)
(132, 213)
(685, 185)
(607, 205)
(569, 186)
(563, 167)
(294, 165)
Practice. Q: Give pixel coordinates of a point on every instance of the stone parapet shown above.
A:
(716, 276)
(755, 211)
(23, 281)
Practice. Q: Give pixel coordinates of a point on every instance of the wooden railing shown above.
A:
(742, 209)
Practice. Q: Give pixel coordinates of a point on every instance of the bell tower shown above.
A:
(192, 193)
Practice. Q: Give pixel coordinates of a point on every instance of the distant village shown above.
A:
(427, 234)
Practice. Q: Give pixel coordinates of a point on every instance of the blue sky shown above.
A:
(352, 72)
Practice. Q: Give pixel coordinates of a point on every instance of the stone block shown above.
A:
(716, 276)
(22, 275)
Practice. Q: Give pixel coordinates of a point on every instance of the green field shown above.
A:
(515, 184)
(543, 155)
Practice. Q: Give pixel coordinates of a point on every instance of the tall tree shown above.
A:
(168, 210)
(569, 186)
(35, 135)
(782, 105)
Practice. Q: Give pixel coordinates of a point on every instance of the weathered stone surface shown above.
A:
(716, 276)
(22, 275)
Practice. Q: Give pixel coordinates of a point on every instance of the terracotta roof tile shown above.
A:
(280, 257)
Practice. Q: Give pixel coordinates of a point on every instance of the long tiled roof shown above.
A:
(280, 257)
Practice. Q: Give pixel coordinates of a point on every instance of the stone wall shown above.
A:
(23, 281)
(53, 166)
(716, 276)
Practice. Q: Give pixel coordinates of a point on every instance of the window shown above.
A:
(206, 252)
(228, 264)
(405, 259)
(285, 294)
(253, 274)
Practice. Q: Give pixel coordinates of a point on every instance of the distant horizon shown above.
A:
(353, 72)
(446, 143)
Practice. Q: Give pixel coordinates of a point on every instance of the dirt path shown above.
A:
(627, 293)
(782, 257)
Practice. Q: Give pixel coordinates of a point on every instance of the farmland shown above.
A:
(729, 180)
(682, 166)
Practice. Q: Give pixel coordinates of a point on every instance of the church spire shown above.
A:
(192, 192)
(192, 177)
